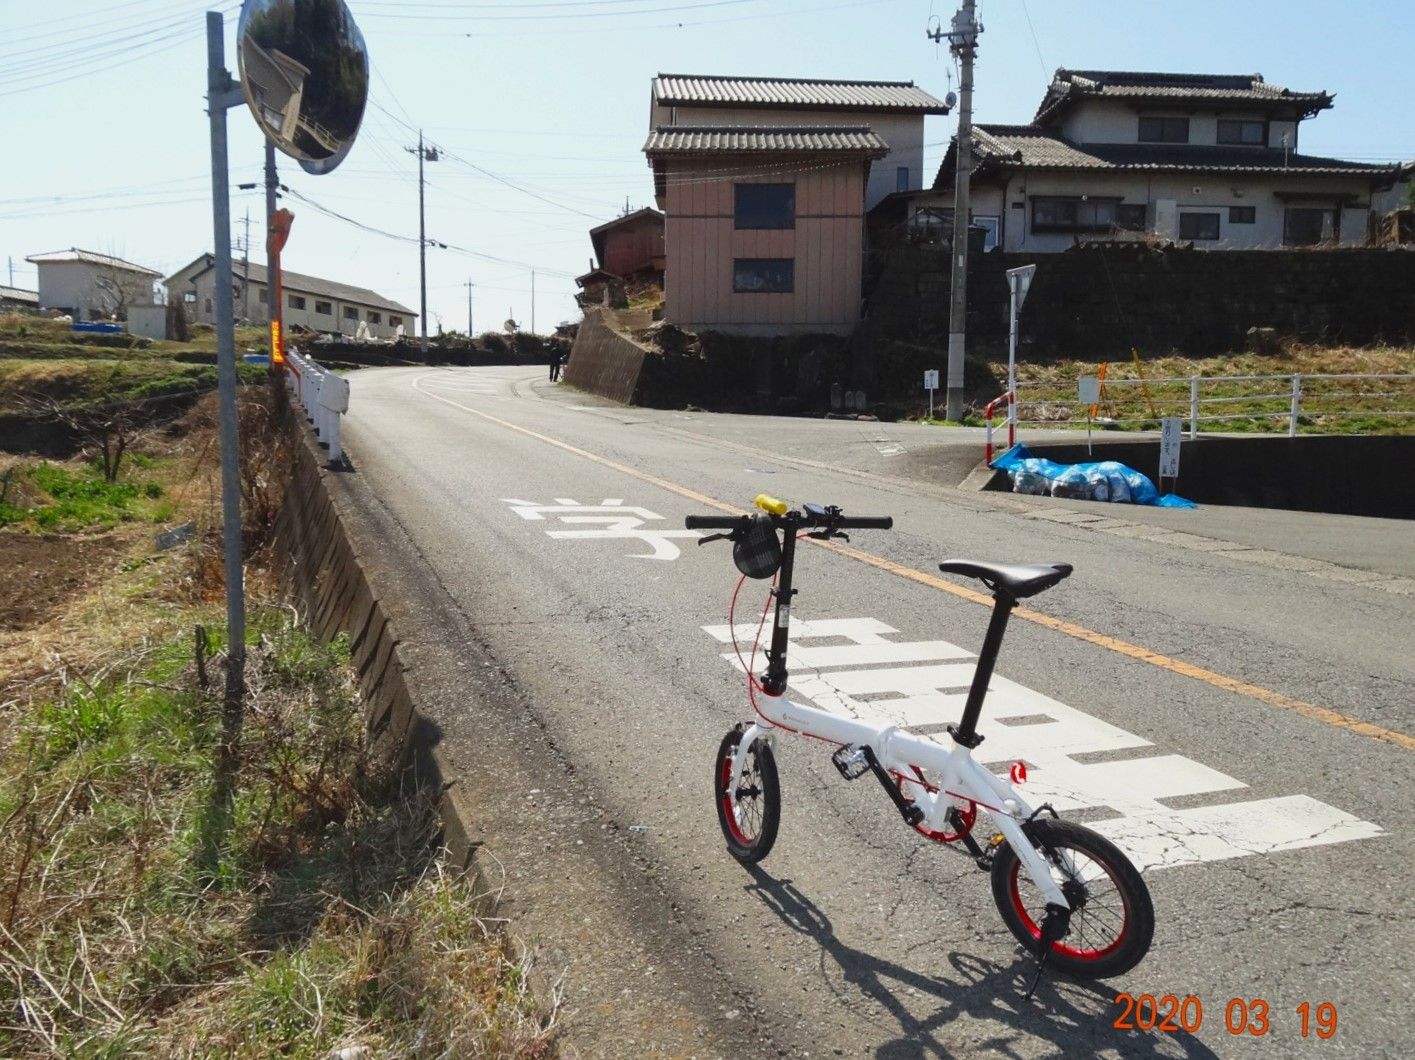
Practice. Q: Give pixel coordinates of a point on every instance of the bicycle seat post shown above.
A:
(966, 732)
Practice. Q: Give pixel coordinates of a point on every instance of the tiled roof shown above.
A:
(18, 294)
(1070, 86)
(298, 283)
(647, 213)
(1033, 147)
(751, 139)
(679, 90)
(75, 254)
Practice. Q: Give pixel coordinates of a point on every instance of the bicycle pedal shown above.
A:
(851, 761)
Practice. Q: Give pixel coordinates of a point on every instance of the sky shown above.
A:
(540, 109)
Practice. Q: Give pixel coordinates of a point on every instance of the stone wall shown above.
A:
(1101, 300)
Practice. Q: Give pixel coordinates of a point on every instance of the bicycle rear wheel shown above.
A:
(750, 821)
(1112, 918)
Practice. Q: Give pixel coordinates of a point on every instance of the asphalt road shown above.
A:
(1244, 679)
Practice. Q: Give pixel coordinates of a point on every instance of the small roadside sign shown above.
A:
(931, 379)
(1088, 390)
(1171, 428)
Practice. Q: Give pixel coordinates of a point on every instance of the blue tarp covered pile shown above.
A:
(1106, 480)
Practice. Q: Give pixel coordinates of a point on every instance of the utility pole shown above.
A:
(246, 269)
(469, 285)
(533, 301)
(425, 154)
(963, 43)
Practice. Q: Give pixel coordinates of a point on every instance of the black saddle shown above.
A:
(1017, 580)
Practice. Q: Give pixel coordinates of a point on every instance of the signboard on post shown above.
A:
(1171, 431)
(1088, 393)
(931, 384)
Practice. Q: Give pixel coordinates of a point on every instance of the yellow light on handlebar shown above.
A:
(770, 504)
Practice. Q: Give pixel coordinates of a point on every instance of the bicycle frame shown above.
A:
(958, 774)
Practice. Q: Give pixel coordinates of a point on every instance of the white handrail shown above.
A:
(1301, 386)
(324, 397)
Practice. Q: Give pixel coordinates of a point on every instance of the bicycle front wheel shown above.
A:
(750, 819)
(1112, 918)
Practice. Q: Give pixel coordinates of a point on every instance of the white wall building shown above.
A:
(92, 286)
(1201, 158)
(321, 305)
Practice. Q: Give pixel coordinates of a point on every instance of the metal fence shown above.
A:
(1263, 402)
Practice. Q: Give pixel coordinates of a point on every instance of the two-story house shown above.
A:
(764, 183)
(1210, 159)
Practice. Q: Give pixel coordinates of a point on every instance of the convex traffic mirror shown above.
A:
(304, 69)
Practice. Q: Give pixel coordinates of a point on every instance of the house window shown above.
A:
(261, 296)
(295, 301)
(1302, 226)
(1130, 216)
(208, 301)
(1164, 130)
(351, 313)
(324, 309)
(901, 178)
(1242, 215)
(992, 226)
(1248, 133)
(763, 275)
(1053, 213)
(395, 322)
(764, 205)
(375, 318)
(189, 297)
(1198, 226)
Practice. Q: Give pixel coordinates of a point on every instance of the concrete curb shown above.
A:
(322, 567)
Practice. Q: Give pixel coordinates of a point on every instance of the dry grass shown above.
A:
(1048, 390)
(154, 903)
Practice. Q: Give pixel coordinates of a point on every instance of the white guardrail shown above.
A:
(323, 395)
(1276, 398)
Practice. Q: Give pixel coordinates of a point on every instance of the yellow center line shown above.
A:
(1071, 629)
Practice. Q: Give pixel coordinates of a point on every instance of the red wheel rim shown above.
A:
(1078, 952)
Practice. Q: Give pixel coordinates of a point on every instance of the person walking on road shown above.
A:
(556, 360)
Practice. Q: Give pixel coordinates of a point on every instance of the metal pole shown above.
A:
(219, 97)
(963, 42)
(1194, 406)
(1012, 360)
(533, 301)
(273, 314)
(1296, 405)
(470, 285)
(422, 246)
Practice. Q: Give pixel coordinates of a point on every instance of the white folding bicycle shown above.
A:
(1080, 904)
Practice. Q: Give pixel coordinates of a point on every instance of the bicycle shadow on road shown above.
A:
(1075, 1017)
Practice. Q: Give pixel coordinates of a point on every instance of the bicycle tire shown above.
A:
(751, 825)
(1093, 947)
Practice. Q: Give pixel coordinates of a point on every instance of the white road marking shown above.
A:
(923, 683)
(615, 519)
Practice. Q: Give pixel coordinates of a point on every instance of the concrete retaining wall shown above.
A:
(320, 558)
(604, 360)
(1345, 475)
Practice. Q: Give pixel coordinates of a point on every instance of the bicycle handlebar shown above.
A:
(805, 520)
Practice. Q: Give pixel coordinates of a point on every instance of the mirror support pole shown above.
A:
(274, 282)
(222, 94)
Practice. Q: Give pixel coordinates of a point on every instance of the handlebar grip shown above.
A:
(712, 522)
(768, 503)
(867, 522)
